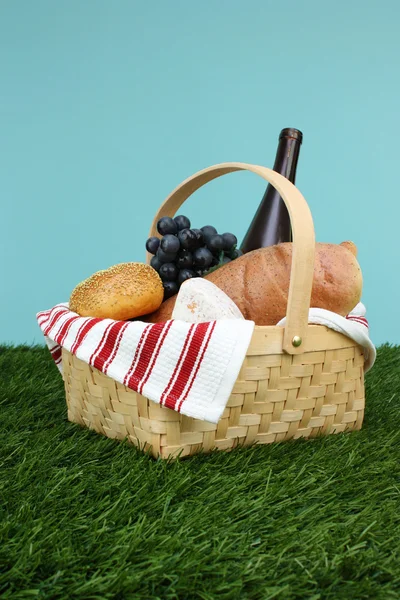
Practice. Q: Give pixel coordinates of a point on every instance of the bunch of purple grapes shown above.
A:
(183, 253)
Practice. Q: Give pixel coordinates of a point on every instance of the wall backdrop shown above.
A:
(106, 106)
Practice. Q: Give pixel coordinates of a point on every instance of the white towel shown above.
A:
(354, 326)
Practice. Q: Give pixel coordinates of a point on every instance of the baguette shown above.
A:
(258, 282)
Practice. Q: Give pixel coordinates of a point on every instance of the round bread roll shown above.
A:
(124, 291)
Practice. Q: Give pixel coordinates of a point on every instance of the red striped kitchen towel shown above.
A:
(190, 368)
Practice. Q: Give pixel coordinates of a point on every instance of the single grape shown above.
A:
(168, 272)
(166, 225)
(215, 243)
(155, 263)
(224, 261)
(152, 244)
(208, 230)
(170, 244)
(182, 222)
(185, 274)
(187, 239)
(170, 289)
(184, 260)
(230, 240)
(165, 257)
(202, 257)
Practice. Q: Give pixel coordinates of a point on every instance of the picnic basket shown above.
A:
(297, 381)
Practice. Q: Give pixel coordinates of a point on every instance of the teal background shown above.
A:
(106, 106)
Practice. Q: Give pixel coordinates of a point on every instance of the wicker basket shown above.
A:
(298, 381)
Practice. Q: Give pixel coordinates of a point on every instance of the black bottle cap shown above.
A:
(289, 132)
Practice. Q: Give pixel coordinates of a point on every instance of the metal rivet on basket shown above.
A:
(296, 341)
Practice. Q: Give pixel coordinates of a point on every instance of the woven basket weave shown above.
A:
(296, 381)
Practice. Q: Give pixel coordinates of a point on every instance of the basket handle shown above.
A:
(302, 268)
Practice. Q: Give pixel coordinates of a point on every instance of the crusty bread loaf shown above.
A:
(258, 282)
(122, 292)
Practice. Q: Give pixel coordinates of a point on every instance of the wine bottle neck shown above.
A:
(287, 157)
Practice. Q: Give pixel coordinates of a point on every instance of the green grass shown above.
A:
(86, 517)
